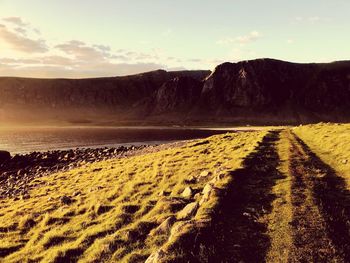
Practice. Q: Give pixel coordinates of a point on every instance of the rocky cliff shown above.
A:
(262, 91)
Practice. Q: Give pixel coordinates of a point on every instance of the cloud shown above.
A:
(309, 19)
(38, 57)
(15, 20)
(18, 41)
(21, 30)
(245, 39)
(81, 51)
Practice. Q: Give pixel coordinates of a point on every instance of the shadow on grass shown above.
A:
(333, 199)
(238, 232)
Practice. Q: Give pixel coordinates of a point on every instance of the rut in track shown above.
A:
(321, 209)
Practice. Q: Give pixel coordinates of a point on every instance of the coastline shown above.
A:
(20, 171)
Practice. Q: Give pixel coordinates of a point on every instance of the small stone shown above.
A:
(204, 174)
(344, 161)
(188, 211)
(187, 193)
(207, 189)
(165, 227)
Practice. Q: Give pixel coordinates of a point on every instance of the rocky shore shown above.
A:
(19, 172)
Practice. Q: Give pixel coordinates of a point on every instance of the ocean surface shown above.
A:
(25, 140)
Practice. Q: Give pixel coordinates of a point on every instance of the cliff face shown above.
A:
(84, 100)
(257, 91)
(269, 88)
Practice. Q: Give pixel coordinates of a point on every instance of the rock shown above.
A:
(187, 193)
(66, 200)
(181, 227)
(4, 156)
(188, 211)
(165, 227)
(207, 192)
(207, 189)
(204, 174)
(344, 161)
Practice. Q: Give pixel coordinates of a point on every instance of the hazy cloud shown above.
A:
(15, 20)
(245, 39)
(309, 19)
(82, 51)
(75, 58)
(18, 41)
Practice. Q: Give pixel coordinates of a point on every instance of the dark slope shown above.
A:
(262, 91)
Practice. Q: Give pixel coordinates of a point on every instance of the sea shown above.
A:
(21, 140)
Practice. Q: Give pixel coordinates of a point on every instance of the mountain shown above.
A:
(262, 91)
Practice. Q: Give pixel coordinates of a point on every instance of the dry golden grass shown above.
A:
(116, 203)
(331, 143)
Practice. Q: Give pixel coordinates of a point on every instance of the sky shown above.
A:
(98, 38)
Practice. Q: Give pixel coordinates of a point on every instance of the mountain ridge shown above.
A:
(260, 91)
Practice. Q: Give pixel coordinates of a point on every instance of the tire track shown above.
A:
(312, 241)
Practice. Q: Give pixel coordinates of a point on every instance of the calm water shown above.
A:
(24, 140)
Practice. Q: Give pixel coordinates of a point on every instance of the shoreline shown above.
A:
(18, 172)
(21, 169)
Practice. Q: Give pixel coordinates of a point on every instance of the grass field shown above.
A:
(274, 195)
(114, 207)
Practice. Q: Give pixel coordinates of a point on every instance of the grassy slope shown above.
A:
(116, 203)
(331, 143)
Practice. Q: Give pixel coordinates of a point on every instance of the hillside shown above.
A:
(262, 91)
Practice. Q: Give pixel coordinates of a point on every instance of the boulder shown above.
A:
(4, 156)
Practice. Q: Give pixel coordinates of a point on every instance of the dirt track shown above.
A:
(319, 203)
